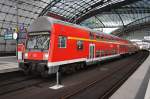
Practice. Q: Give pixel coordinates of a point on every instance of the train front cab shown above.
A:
(36, 53)
(43, 57)
(37, 48)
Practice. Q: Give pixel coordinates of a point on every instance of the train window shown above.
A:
(91, 35)
(113, 51)
(79, 45)
(97, 37)
(108, 52)
(62, 42)
(38, 42)
(105, 52)
(107, 39)
(104, 38)
(97, 53)
(102, 53)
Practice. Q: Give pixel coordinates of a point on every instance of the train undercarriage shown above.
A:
(41, 68)
(38, 68)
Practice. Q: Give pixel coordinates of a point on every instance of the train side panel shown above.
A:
(70, 52)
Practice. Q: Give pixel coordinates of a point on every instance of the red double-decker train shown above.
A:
(53, 44)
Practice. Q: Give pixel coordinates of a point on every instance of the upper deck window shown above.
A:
(97, 37)
(91, 35)
(79, 45)
(62, 42)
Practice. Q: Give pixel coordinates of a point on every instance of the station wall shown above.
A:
(7, 46)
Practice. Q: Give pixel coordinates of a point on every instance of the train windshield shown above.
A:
(38, 41)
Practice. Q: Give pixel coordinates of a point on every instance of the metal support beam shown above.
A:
(119, 17)
(51, 4)
(123, 25)
(91, 7)
(133, 26)
(100, 21)
(104, 9)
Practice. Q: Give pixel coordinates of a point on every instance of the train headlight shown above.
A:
(26, 55)
(45, 57)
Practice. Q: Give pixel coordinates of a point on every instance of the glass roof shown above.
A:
(19, 12)
(120, 17)
(90, 13)
(99, 13)
(73, 9)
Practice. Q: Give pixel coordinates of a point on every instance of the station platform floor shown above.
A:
(137, 86)
(8, 64)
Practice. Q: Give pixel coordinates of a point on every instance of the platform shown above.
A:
(8, 64)
(137, 85)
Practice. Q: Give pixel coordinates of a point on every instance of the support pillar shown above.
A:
(58, 81)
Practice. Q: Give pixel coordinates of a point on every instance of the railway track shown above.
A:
(82, 91)
(15, 81)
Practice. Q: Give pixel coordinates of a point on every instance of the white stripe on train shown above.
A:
(81, 60)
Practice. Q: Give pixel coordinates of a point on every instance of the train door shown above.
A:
(91, 51)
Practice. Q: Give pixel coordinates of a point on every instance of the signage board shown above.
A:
(8, 34)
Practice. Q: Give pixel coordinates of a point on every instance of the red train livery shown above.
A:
(53, 44)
